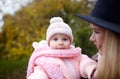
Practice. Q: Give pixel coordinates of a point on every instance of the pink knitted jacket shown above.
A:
(60, 64)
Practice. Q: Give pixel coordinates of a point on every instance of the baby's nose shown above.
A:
(60, 42)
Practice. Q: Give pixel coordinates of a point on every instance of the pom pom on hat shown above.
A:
(56, 19)
(57, 26)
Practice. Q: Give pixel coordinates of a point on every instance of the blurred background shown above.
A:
(24, 21)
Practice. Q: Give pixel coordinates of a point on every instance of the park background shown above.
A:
(30, 23)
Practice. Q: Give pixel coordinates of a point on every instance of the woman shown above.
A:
(105, 24)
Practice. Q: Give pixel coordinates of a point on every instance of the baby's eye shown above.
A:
(55, 39)
(64, 39)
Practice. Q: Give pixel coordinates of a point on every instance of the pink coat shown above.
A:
(59, 64)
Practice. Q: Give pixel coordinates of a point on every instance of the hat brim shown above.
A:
(104, 24)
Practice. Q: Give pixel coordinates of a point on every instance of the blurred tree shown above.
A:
(30, 24)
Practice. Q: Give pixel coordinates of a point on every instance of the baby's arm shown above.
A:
(87, 67)
(38, 74)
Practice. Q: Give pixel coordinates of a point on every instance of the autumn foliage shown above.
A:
(30, 24)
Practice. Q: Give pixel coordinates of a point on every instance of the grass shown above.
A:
(13, 69)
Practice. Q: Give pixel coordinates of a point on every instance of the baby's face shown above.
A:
(60, 41)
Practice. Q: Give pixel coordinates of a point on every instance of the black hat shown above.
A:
(106, 14)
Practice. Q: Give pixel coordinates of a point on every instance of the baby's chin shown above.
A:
(62, 48)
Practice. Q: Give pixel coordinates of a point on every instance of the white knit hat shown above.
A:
(58, 26)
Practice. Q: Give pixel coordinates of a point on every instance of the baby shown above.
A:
(57, 57)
